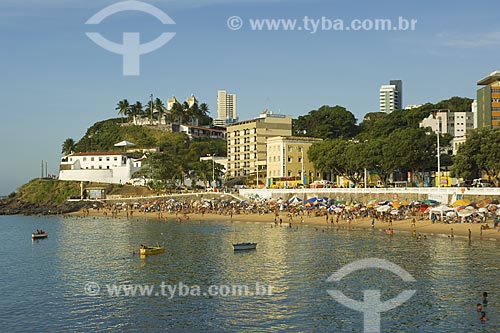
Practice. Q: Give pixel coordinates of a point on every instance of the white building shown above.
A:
(99, 167)
(457, 124)
(226, 108)
(391, 96)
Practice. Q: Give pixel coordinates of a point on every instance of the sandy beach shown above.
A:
(423, 227)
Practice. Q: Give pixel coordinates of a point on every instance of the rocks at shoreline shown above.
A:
(14, 207)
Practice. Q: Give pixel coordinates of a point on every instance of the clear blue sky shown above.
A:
(55, 82)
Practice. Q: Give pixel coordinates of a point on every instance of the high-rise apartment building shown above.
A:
(488, 101)
(391, 96)
(226, 108)
(246, 144)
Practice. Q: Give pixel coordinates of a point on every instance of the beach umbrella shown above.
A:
(372, 202)
(395, 204)
(483, 202)
(384, 208)
(430, 202)
(461, 202)
(294, 200)
(464, 213)
(312, 201)
(482, 210)
(492, 207)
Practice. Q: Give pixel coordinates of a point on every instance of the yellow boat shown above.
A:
(151, 250)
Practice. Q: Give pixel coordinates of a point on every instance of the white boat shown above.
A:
(39, 234)
(244, 246)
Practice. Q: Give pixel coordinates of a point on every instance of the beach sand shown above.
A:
(425, 227)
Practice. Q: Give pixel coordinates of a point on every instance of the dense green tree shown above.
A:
(327, 122)
(479, 154)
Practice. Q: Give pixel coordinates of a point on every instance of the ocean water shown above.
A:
(50, 285)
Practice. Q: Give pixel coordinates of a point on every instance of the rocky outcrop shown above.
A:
(14, 207)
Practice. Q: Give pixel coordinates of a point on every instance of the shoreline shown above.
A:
(423, 227)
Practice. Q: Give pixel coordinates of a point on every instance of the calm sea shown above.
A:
(42, 283)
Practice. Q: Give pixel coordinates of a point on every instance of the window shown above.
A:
(92, 159)
(115, 158)
(107, 158)
(289, 159)
(300, 159)
(100, 159)
(84, 159)
(107, 167)
(289, 149)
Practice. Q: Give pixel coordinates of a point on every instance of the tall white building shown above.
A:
(457, 124)
(391, 96)
(226, 108)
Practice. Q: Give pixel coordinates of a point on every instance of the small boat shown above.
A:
(244, 246)
(151, 250)
(39, 234)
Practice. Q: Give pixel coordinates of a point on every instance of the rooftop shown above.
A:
(493, 77)
(96, 153)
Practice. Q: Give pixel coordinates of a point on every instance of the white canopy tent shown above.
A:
(441, 211)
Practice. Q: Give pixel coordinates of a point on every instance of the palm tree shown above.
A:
(123, 108)
(187, 113)
(203, 109)
(136, 110)
(68, 146)
(160, 109)
(176, 113)
(204, 171)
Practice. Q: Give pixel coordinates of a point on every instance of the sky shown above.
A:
(55, 82)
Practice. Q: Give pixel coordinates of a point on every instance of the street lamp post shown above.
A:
(302, 173)
(438, 156)
(438, 149)
(213, 169)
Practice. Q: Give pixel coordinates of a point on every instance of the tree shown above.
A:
(159, 108)
(136, 110)
(479, 154)
(123, 108)
(69, 146)
(327, 122)
(204, 118)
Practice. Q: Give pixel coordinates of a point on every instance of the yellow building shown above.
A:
(246, 145)
(287, 162)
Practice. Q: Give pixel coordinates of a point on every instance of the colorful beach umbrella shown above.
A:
(461, 202)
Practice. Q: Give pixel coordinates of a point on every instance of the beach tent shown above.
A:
(440, 210)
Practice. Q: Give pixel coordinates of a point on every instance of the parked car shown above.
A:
(481, 183)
